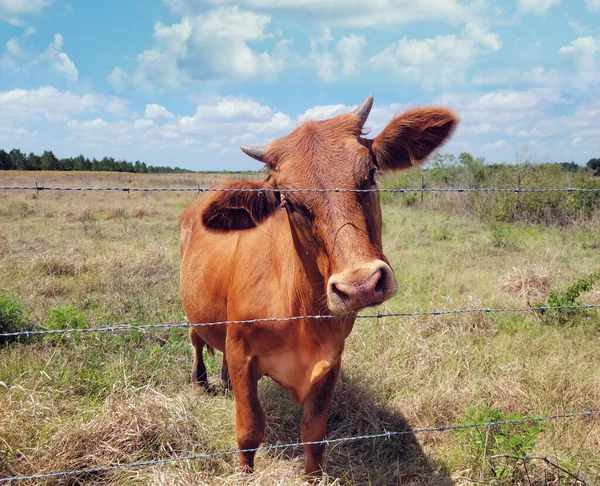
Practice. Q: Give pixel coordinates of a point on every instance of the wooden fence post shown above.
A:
(422, 186)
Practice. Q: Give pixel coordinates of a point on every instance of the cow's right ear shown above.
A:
(240, 206)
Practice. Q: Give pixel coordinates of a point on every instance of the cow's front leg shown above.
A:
(249, 415)
(314, 420)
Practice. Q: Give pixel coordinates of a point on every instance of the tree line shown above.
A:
(17, 160)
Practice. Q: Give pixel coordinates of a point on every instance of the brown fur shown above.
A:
(244, 257)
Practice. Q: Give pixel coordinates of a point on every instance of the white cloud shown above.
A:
(323, 112)
(379, 117)
(72, 124)
(29, 31)
(536, 6)
(215, 44)
(584, 53)
(209, 133)
(233, 118)
(47, 104)
(593, 4)
(350, 50)
(233, 109)
(539, 75)
(479, 128)
(10, 10)
(503, 109)
(582, 50)
(355, 13)
(154, 112)
(441, 60)
(15, 49)
(219, 125)
(174, 37)
(341, 63)
(58, 60)
(489, 118)
(495, 145)
(143, 123)
(154, 68)
(53, 59)
(220, 45)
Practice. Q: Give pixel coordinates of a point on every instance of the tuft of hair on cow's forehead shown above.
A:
(322, 147)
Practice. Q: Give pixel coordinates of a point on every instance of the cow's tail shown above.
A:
(210, 349)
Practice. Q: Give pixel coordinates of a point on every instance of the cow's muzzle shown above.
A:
(353, 290)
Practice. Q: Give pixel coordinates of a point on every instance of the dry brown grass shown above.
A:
(531, 282)
(141, 212)
(117, 213)
(116, 398)
(143, 425)
(70, 265)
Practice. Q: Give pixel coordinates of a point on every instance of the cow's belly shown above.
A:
(295, 373)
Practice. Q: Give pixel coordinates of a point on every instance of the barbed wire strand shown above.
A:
(335, 189)
(382, 435)
(130, 326)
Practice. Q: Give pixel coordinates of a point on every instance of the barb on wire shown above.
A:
(383, 435)
(131, 325)
(199, 189)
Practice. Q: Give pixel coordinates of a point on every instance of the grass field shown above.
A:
(87, 259)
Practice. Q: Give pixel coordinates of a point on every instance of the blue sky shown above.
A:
(186, 82)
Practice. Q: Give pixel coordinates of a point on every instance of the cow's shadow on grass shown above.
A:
(398, 460)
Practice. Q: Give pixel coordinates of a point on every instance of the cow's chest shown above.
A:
(299, 370)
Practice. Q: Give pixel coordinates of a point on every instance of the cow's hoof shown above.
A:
(246, 469)
(204, 388)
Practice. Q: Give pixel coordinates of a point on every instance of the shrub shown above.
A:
(442, 234)
(551, 208)
(511, 439)
(12, 316)
(504, 236)
(65, 317)
(568, 297)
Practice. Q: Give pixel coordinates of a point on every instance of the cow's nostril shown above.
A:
(342, 295)
(380, 286)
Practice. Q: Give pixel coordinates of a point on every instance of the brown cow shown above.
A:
(252, 255)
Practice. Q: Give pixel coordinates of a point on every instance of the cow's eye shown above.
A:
(372, 177)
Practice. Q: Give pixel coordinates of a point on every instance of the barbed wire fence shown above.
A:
(131, 325)
(199, 189)
(339, 440)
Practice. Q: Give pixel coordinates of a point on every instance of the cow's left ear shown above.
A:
(409, 138)
(240, 205)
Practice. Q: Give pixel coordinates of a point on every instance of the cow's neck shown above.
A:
(307, 290)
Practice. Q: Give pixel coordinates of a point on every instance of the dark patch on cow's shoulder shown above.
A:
(228, 219)
(243, 207)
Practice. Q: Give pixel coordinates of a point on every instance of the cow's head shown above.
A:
(339, 231)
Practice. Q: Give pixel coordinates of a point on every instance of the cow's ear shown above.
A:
(409, 138)
(240, 205)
